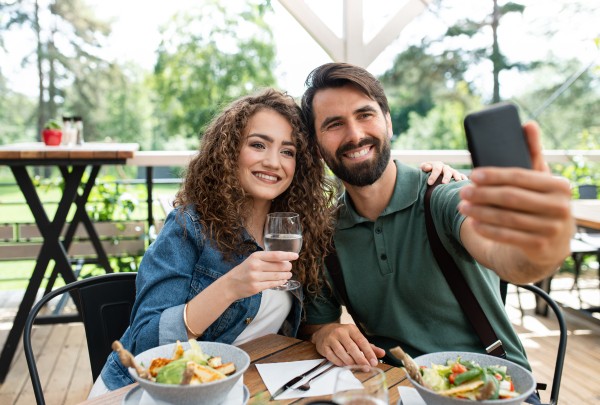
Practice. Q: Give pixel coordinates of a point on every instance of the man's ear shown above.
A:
(318, 151)
(388, 121)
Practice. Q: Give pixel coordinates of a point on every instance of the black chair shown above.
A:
(106, 303)
(562, 345)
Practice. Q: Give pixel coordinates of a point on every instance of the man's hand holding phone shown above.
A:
(524, 209)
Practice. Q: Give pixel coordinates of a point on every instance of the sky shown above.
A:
(135, 37)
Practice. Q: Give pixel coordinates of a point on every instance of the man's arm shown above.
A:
(519, 221)
(342, 344)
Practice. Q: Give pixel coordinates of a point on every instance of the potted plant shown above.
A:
(52, 133)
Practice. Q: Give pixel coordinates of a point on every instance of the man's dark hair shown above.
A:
(333, 75)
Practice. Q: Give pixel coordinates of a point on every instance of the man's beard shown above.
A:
(364, 173)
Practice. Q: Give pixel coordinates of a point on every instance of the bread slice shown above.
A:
(157, 365)
(206, 374)
(226, 369)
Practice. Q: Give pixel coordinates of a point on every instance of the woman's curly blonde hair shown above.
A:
(211, 183)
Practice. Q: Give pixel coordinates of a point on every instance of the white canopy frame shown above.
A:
(351, 48)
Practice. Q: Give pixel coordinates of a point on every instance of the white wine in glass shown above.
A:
(283, 233)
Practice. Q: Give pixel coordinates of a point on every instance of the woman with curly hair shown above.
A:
(207, 275)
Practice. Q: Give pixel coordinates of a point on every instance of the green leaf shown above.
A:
(512, 8)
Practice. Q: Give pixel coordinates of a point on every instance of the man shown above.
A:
(515, 222)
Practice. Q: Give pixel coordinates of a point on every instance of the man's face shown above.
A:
(353, 134)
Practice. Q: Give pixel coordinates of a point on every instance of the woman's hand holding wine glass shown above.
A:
(260, 271)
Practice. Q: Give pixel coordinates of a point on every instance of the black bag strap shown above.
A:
(335, 271)
(458, 284)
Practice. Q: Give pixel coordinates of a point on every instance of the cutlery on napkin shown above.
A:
(275, 375)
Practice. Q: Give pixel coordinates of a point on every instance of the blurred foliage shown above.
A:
(575, 110)
(67, 36)
(428, 98)
(17, 115)
(204, 62)
(478, 32)
(418, 80)
(581, 171)
(110, 202)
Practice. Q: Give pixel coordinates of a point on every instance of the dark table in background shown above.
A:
(72, 162)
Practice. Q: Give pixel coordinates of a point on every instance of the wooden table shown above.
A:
(72, 162)
(273, 349)
(586, 213)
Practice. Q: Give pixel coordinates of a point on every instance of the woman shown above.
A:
(207, 275)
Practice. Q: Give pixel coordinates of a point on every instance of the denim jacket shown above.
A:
(177, 266)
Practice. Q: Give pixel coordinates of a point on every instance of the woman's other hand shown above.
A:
(436, 168)
(260, 271)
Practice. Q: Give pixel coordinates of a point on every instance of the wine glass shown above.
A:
(360, 385)
(283, 232)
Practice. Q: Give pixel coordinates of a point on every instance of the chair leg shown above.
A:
(520, 305)
(577, 260)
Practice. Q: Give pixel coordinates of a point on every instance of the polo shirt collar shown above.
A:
(406, 193)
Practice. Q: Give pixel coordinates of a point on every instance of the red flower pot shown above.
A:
(52, 137)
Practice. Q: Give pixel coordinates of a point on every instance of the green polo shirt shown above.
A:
(394, 283)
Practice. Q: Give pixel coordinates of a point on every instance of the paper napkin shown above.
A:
(410, 396)
(274, 375)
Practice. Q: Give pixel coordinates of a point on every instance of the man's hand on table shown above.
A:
(524, 215)
(343, 344)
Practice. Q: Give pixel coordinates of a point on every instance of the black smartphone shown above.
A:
(495, 137)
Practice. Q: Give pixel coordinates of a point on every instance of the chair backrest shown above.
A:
(106, 303)
(588, 192)
(106, 310)
(562, 345)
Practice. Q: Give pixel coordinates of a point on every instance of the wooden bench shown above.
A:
(23, 241)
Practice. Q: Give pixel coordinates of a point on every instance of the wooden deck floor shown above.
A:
(63, 363)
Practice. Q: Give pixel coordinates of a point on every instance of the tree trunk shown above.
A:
(496, 57)
(40, 56)
(52, 110)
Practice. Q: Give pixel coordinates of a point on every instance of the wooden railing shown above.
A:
(457, 157)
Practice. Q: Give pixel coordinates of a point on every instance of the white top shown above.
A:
(274, 308)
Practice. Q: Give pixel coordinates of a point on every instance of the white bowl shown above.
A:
(211, 393)
(522, 379)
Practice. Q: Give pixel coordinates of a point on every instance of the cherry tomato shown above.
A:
(498, 377)
(423, 367)
(458, 368)
(512, 387)
(452, 377)
(460, 396)
(503, 397)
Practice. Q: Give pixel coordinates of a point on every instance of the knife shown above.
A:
(295, 380)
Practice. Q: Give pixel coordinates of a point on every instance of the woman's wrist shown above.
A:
(226, 286)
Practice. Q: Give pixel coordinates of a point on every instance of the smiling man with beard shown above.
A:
(510, 223)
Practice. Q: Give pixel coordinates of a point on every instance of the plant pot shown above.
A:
(52, 137)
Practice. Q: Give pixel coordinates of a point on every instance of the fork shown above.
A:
(306, 386)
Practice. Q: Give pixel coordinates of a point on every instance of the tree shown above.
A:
(418, 80)
(73, 25)
(17, 116)
(204, 62)
(575, 111)
(471, 29)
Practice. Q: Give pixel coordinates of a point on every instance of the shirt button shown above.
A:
(248, 320)
(252, 248)
(378, 230)
(384, 257)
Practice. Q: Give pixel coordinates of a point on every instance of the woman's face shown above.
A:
(267, 160)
